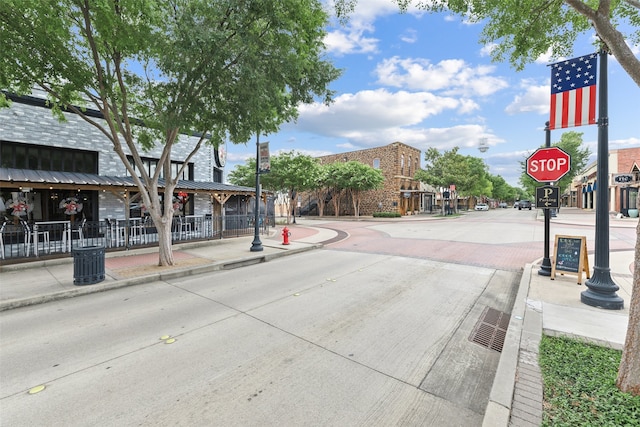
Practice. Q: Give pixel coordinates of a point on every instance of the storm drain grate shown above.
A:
(491, 329)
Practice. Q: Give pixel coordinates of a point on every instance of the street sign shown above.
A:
(548, 164)
(621, 178)
(547, 197)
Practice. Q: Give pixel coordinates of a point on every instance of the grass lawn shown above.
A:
(579, 385)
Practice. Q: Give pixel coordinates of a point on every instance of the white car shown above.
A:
(482, 207)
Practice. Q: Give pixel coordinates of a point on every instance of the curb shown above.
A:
(165, 275)
(498, 411)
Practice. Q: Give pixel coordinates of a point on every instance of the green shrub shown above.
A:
(386, 215)
(579, 385)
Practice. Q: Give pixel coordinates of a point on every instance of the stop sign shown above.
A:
(548, 164)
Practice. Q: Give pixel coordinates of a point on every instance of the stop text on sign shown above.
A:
(548, 164)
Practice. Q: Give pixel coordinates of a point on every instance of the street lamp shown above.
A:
(484, 146)
(256, 245)
(601, 290)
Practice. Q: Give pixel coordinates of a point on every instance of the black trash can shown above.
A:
(88, 265)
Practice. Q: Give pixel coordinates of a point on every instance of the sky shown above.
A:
(424, 80)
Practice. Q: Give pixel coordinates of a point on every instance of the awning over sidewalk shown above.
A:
(71, 180)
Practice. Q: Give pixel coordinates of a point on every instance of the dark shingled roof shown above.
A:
(30, 177)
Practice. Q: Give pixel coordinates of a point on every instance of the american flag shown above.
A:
(573, 92)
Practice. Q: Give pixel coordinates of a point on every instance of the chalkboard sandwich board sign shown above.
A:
(570, 256)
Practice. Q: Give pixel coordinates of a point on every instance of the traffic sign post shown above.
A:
(548, 164)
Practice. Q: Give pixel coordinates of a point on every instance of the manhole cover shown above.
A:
(491, 329)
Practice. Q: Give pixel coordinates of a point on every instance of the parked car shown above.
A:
(515, 205)
(524, 204)
(482, 207)
(502, 205)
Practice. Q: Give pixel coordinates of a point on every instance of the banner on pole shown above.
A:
(573, 92)
(264, 161)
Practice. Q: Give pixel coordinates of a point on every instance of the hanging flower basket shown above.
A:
(179, 201)
(19, 207)
(177, 204)
(71, 206)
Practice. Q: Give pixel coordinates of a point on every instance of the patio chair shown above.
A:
(79, 231)
(184, 228)
(137, 231)
(4, 224)
(33, 235)
(115, 234)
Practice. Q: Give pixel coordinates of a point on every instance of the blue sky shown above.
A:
(424, 80)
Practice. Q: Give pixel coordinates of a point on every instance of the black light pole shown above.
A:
(256, 245)
(602, 290)
(545, 268)
(293, 205)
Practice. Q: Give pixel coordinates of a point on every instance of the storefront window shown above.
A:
(633, 198)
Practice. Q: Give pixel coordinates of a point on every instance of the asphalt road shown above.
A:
(372, 330)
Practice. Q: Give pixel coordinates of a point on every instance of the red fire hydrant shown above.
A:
(285, 236)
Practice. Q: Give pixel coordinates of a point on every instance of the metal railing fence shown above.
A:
(24, 241)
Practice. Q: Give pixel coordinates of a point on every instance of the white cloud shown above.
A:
(631, 142)
(534, 99)
(353, 40)
(370, 10)
(409, 36)
(377, 117)
(467, 106)
(452, 76)
(506, 165)
(463, 136)
(548, 57)
(372, 110)
(306, 152)
(487, 49)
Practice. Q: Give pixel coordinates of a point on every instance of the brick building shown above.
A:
(624, 182)
(400, 192)
(624, 165)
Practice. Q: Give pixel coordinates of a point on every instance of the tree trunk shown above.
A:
(165, 250)
(320, 207)
(355, 200)
(336, 204)
(629, 371)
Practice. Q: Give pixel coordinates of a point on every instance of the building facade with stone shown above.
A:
(400, 192)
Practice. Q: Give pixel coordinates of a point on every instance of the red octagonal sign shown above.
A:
(548, 164)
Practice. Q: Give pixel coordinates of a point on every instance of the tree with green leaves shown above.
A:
(155, 70)
(321, 190)
(290, 173)
(336, 183)
(245, 175)
(501, 190)
(480, 182)
(467, 173)
(571, 143)
(359, 178)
